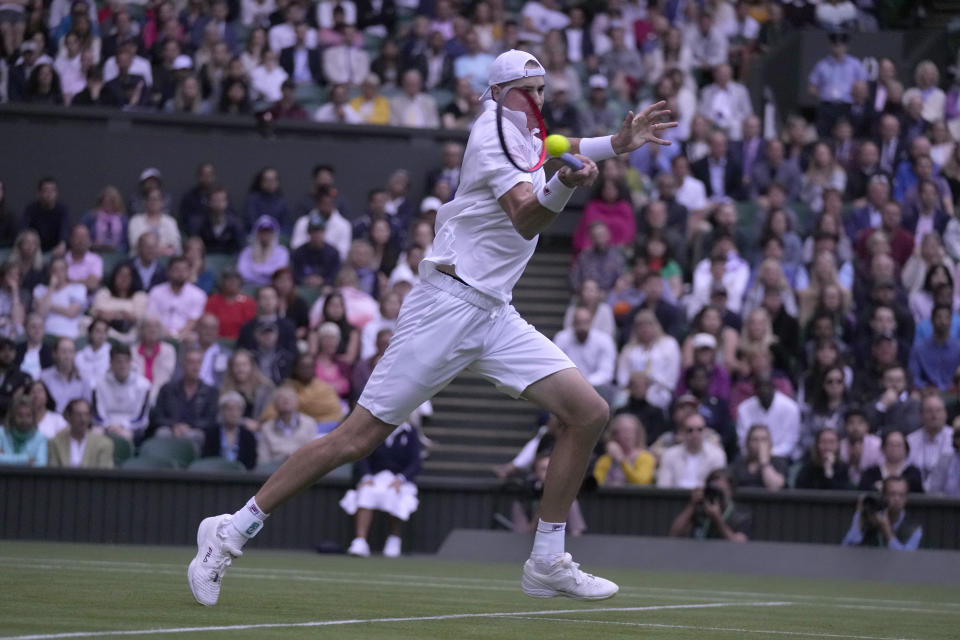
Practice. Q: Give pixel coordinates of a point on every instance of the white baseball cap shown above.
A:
(512, 65)
(702, 340)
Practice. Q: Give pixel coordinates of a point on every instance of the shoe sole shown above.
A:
(536, 589)
(201, 535)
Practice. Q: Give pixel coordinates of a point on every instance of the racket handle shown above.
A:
(571, 161)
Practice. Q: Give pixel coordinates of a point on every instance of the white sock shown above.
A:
(548, 543)
(248, 521)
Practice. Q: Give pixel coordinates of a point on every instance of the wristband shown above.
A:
(597, 149)
(555, 195)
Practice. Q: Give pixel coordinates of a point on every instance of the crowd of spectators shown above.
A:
(410, 62)
(778, 301)
(119, 329)
(780, 304)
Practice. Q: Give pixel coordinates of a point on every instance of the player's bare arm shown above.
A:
(529, 217)
(638, 129)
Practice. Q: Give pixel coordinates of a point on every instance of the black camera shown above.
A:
(712, 494)
(873, 504)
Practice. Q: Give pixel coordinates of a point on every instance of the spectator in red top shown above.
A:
(901, 240)
(611, 206)
(231, 307)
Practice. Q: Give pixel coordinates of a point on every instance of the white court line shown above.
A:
(440, 582)
(804, 634)
(337, 623)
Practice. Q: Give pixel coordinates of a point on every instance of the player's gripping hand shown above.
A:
(582, 178)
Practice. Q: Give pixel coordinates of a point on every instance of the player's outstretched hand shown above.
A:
(646, 126)
(582, 178)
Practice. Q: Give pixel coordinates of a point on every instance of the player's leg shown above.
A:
(359, 434)
(221, 538)
(550, 571)
(583, 414)
(437, 336)
(524, 362)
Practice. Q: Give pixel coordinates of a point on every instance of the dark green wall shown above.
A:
(165, 508)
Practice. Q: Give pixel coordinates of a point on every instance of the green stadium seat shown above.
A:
(309, 294)
(216, 465)
(110, 261)
(122, 450)
(179, 451)
(147, 464)
(343, 471)
(310, 93)
(217, 262)
(443, 97)
(267, 468)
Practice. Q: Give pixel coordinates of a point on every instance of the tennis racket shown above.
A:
(518, 115)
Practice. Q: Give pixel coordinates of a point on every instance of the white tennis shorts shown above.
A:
(445, 327)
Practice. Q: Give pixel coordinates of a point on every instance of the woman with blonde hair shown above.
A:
(926, 79)
(769, 275)
(823, 273)
(824, 172)
(108, 222)
(27, 254)
(654, 352)
(756, 335)
(626, 461)
(244, 377)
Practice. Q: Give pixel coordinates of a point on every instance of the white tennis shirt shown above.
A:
(473, 231)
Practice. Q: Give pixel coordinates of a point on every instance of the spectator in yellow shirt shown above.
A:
(626, 461)
(372, 107)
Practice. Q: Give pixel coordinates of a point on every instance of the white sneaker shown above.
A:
(391, 548)
(359, 548)
(214, 555)
(563, 577)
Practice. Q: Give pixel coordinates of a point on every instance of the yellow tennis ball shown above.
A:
(557, 145)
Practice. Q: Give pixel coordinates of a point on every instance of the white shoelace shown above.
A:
(566, 561)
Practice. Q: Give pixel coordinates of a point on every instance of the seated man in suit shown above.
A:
(775, 167)
(721, 175)
(302, 62)
(78, 446)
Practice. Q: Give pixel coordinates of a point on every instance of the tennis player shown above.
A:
(459, 317)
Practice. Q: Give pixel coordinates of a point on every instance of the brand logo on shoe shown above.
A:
(254, 510)
(214, 577)
(209, 553)
(253, 527)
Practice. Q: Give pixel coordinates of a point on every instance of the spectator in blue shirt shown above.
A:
(832, 80)
(316, 263)
(933, 361)
(942, 296)
(882, 521)
(474, 64)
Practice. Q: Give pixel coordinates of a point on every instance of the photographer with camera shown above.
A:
(712, 513)
(881, 521)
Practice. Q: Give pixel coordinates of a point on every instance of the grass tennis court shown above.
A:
(85, 591)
